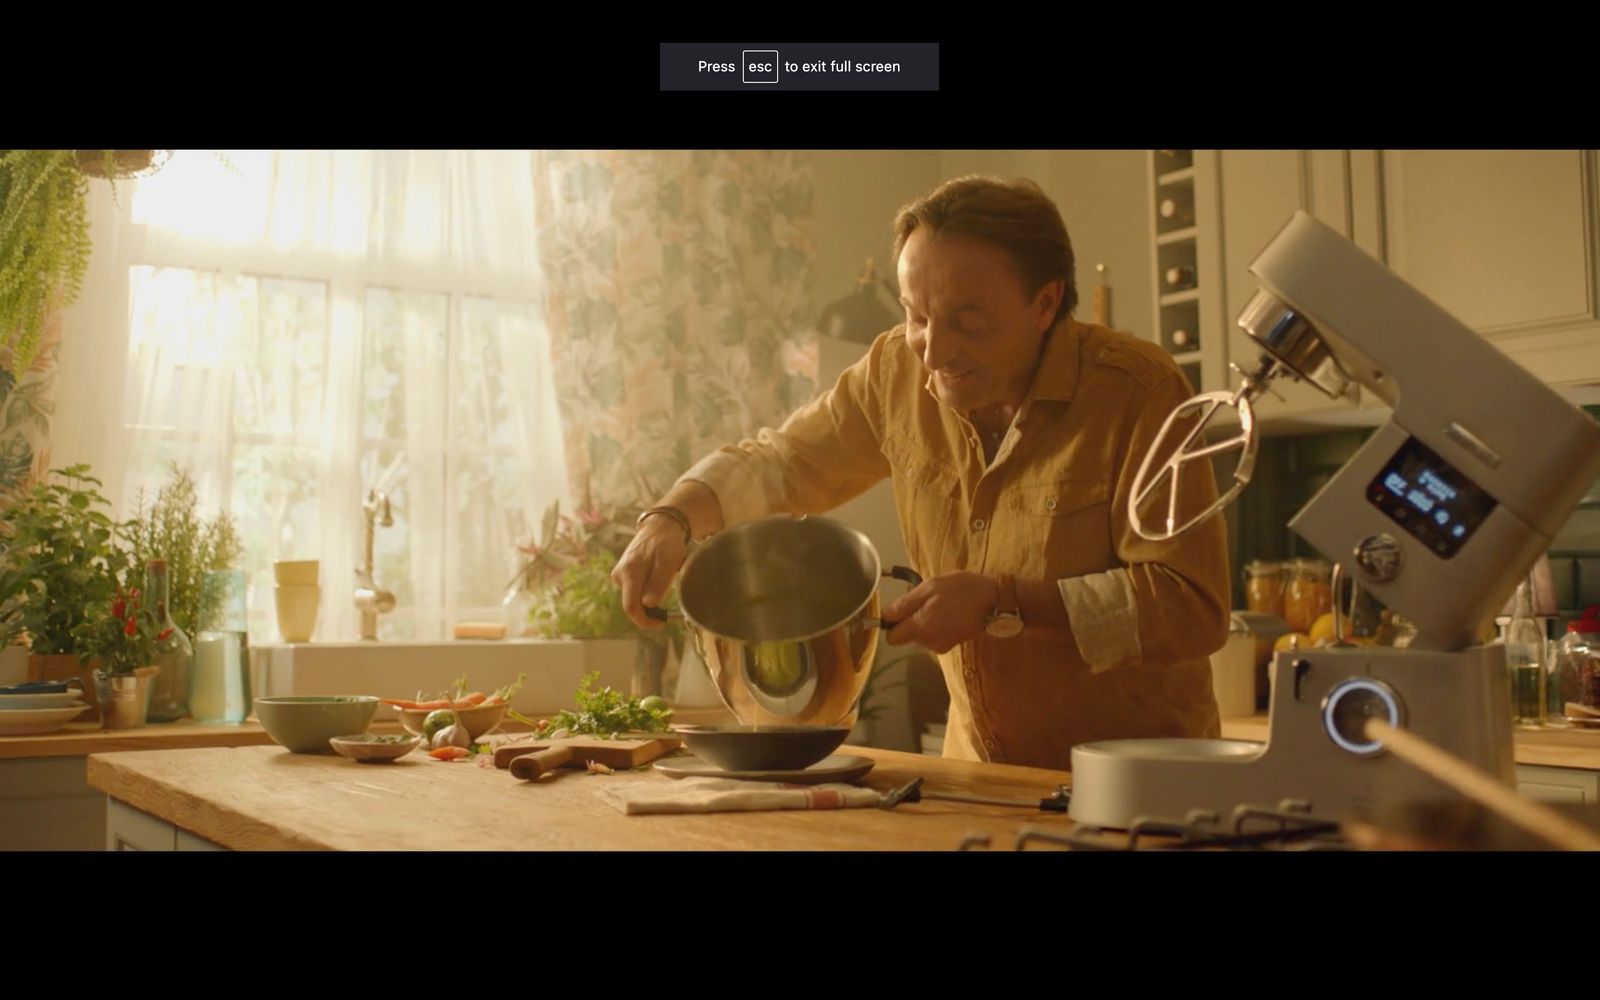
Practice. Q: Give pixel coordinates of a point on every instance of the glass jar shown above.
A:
(1307, 593)
(1263, 587)
(1574, 676)
(169, 699)
(220, 689)
(516, 607)
(1525, 662)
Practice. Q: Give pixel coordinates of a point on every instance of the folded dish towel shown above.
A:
(702, 795)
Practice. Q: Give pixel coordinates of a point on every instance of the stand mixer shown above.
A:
(1439, 515)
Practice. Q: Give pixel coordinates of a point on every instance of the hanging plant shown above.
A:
(44, 234)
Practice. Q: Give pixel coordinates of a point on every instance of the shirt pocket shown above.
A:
(926, 497)
(1059, 529)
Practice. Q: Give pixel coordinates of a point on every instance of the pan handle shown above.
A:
(906, 575)
(663, 615)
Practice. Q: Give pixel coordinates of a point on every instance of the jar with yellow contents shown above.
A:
(1307, 593)
(1263, 586)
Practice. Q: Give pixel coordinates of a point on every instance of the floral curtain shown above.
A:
(679, 305)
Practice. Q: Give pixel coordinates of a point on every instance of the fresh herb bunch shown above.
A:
(172, 529)
(605, 712)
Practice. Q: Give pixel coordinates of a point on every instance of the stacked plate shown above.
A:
(39, 707)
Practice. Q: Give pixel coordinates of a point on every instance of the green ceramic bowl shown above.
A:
(305, 723)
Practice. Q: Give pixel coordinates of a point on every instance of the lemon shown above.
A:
(1322, 628)
(1292, 640)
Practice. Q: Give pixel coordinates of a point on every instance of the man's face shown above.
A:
(971, 320)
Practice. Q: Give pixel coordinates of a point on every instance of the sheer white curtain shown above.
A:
(303, 326)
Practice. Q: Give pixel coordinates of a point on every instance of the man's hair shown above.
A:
(1017, 216)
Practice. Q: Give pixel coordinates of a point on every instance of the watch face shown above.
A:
(1004, 626)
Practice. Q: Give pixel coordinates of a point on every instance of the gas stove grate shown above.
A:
(1289, 826)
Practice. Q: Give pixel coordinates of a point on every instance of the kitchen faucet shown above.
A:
(371, 599)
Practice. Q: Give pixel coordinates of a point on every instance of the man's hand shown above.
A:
(648, 566)
(943, 612)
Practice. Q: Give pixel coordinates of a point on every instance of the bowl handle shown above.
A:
(906, 575)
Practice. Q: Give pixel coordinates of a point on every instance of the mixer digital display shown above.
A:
(1430, 498)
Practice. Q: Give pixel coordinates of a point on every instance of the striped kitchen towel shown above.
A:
(702, 795)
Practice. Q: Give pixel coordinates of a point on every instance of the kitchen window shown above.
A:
(290, 379)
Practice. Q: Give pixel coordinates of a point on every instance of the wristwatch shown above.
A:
(1005, 620)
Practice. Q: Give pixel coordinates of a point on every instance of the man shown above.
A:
(1012, 434)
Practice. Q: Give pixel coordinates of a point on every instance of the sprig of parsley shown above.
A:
(604, 712)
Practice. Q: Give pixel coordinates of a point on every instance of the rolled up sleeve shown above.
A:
(1169, 601)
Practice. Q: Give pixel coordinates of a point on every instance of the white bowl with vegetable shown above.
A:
(374, 748)
(478, 721)
(475, 715)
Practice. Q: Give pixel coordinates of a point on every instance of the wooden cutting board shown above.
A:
(534, 758)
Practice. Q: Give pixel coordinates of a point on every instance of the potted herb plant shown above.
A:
(63, 558)
(195, 548)
(566, 577)
(123, 640)
(186, 559)
(584, 604)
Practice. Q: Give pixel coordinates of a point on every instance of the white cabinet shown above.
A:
(129, 829)
(1558, 784)
(1508, 242)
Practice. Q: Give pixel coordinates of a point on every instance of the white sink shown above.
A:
(554, 669)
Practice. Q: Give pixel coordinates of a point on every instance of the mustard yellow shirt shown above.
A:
(1052, 505)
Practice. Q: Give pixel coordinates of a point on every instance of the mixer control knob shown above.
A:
(1379, 557)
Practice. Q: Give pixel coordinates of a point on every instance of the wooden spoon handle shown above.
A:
(534, 765)
(1532, 816)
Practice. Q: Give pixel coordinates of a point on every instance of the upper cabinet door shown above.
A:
(1504, 240)
(1508, 242)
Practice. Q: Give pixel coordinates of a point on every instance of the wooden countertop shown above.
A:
(255, 797)
(80, 739)
(265, 798)
(1540, 747)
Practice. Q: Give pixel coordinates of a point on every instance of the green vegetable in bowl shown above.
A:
(435, 721)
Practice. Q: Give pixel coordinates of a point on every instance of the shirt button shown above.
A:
(988, 744)
(978, 524)
(970, 673)
(1050, 504)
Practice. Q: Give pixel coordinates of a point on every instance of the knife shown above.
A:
(912, 791)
